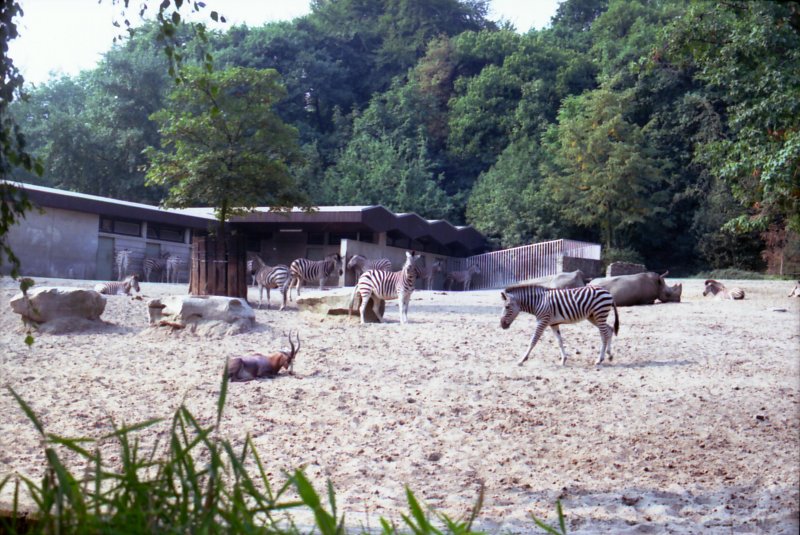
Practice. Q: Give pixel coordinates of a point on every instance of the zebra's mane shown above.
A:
(525, 286)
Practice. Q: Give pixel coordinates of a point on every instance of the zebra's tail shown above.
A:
(616, 318)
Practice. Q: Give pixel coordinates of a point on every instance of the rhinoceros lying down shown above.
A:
(640, 289)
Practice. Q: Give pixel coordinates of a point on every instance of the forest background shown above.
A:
(668, 131)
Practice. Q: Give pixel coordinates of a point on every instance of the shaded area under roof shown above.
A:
(375, 218)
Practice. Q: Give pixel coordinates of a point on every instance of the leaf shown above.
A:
(214, 16)
(28, 411)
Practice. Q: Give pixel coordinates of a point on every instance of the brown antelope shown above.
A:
(249, 367)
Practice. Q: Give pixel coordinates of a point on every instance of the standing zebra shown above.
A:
(556, 307)
(118, 288)
(268, 277)
(171, 267)
(462, 277)
(383, 285)
(304, 270)
(359, 264)
(428, 273)
(157, 265)
(251, 269)
(122, 257)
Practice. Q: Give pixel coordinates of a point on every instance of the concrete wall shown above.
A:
(591, 268)
(55, 243)
(64, 244)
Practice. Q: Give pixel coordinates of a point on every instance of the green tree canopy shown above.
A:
(223, 145)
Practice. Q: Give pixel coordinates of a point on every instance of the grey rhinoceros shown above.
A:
(561, 281)
(640, 289)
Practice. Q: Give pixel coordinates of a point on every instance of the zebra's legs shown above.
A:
(540, 325)
(606, 334)
(269, 302)
(284, 289)
(404, 299)
(375, 307)
(557, 332)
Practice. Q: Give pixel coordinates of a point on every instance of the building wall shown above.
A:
(55, 243)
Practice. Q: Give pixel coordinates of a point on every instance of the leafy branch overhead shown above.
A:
(223, 145)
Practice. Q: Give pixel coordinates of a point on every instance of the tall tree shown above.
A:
(223, 145)
(604, 174)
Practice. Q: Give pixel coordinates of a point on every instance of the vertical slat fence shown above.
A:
(219, 266)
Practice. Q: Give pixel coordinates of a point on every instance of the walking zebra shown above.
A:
(718, 289)
(428, 273)
(304, 270)
(157, 265)
(122, 257)
(383, 285)
(359, 264)
(556, 307)
(268, 277)
(173, 264)
(118, 288)
(462, 277)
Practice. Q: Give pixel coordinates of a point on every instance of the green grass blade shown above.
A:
(223, 393)
(119, 431)
(27, 410)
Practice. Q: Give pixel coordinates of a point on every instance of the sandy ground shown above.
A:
(694, 427)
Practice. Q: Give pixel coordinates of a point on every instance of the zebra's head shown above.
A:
(133, 280)
(511, 309)
(411, 261)
(356, 260)
(335, 261)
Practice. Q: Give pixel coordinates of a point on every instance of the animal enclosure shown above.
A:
(685, 432)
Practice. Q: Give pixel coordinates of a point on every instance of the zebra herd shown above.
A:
(166, 266)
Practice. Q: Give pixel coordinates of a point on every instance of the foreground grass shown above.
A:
(199, 486)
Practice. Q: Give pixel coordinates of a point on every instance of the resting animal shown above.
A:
(796, 291)
(718, 289)
(249, 367)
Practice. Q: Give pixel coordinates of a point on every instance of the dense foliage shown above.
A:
(668, 131)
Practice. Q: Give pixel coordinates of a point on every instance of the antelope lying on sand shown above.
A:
(249, 367)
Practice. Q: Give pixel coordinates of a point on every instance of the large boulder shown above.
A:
(207, 315)
(53, 303)
(337, 305)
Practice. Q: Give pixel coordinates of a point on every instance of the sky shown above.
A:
(67, 36)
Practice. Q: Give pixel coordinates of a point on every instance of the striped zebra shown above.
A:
(122, 257)
(718, 289)
(359, 264)
(384, 285)
(554, 307)
(171, 267)
(155, 265)
(428, 273)
(118, 288)
(252, 267)
(462, 277)
(268, 277)
(305, 270)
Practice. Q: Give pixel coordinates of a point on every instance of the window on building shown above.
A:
(335, 238)
(366, 237)
(316, 238)
(157, 231)
(114, 225)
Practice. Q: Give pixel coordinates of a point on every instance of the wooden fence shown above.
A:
(499, 269)
(218, 266)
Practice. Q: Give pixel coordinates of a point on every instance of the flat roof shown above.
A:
(375, 218)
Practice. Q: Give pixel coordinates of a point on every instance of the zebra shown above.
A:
(718, 289)
(305, 270)
(463, 277)
(172, 264)
(554, 307)
(118, 288)
(359, 264)
(122, 257)
(383, 285)
(251, 269)
(157, 265)
(268, 277)
(428, 273)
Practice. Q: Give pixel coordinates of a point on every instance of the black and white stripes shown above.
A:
(556, 307)
(305, 270)
(359, 264)
(269, 277)
(119, 288)
(383, 285)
